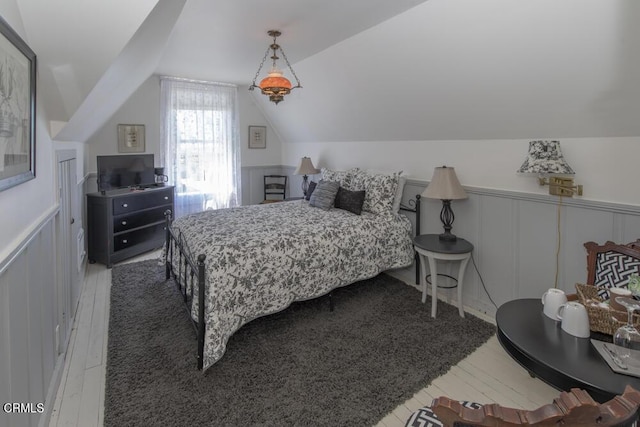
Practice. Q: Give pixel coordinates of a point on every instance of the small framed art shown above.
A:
(130, 138)
(257, 137)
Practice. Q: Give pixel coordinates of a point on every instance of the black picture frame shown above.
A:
(17, 109)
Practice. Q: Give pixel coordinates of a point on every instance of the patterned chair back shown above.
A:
(611, 265)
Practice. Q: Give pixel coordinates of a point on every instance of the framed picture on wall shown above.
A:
(130, 138)
(17, 109)
(257, 137)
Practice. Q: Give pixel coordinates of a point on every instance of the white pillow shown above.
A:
(402, 180)
(380, 190)
(345, 178)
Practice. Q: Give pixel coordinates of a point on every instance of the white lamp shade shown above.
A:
(444, 185)
(306, 167)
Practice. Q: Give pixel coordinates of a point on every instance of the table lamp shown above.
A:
(305, 169)
(445, 186)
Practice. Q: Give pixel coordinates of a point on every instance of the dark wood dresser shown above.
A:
(125, 223)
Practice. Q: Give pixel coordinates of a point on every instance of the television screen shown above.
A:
(127, 170)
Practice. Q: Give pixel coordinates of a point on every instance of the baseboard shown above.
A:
(54, 385)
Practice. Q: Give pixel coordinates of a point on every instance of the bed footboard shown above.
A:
(186, 273)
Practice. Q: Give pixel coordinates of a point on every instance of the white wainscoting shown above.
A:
(514, 234)
(515, 237)
(29, 361)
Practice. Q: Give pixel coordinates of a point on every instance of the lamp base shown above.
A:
(447, 217)
(447, 237)
(305, 185)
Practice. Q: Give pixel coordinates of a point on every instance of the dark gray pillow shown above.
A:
(351, 201)
(324, 194)
(312, 186)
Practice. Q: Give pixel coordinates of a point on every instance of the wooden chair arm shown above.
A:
(573, 408)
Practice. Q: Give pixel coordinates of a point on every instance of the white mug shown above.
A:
(552, 300)
(575, 320)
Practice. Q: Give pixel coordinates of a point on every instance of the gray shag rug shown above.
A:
(304, 366)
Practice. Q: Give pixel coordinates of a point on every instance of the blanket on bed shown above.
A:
(261, 258)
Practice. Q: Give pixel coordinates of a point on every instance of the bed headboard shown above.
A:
(414, 206)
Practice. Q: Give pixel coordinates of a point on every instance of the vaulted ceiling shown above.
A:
(370, 69)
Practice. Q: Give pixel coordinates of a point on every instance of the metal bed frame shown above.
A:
(191, 270)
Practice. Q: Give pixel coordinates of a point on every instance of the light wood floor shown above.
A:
(487, 375)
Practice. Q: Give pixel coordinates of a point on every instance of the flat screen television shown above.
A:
(125, 170)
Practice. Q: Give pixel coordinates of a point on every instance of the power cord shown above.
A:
(557, 259)
(482, 281)
(555, 283)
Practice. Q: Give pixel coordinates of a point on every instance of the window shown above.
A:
(200, 138)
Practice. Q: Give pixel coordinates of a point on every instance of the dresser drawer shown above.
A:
(132, 238)
(138, 219)
(137, 201)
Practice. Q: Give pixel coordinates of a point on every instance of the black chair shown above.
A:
(275, 186)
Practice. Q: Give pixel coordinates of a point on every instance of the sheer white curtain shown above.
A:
(200, 143)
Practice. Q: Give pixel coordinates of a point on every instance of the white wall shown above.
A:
(251, 113)
(34, 198)
(143, 107)
(606, 167)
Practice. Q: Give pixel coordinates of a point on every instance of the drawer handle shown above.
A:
(125, 241)
(166, 197)
(124, 205)
(124, 222)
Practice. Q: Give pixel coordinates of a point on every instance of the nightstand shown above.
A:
(431, 248)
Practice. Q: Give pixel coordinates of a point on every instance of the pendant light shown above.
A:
(275, 85)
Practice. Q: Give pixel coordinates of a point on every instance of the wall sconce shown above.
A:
(275, 85)
(545, 158)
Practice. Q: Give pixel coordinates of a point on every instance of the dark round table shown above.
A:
(550, 354)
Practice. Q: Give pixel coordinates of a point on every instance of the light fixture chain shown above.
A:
(289, 65)
(264, 58)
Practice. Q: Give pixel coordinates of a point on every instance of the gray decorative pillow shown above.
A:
(312, 186)
(324, 194)
(351, 201)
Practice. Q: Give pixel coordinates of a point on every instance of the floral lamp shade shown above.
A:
(545, 157)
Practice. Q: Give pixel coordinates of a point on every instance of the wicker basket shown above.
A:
(601, 319)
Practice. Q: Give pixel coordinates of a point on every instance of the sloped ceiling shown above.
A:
(75, 42)
(79, 41)
(469, 70)
(375, 70)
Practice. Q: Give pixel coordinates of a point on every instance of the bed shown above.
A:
(234, 265)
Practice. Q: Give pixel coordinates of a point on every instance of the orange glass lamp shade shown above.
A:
(275, 85)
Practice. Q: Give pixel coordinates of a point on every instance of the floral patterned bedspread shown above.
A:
(261, 258)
